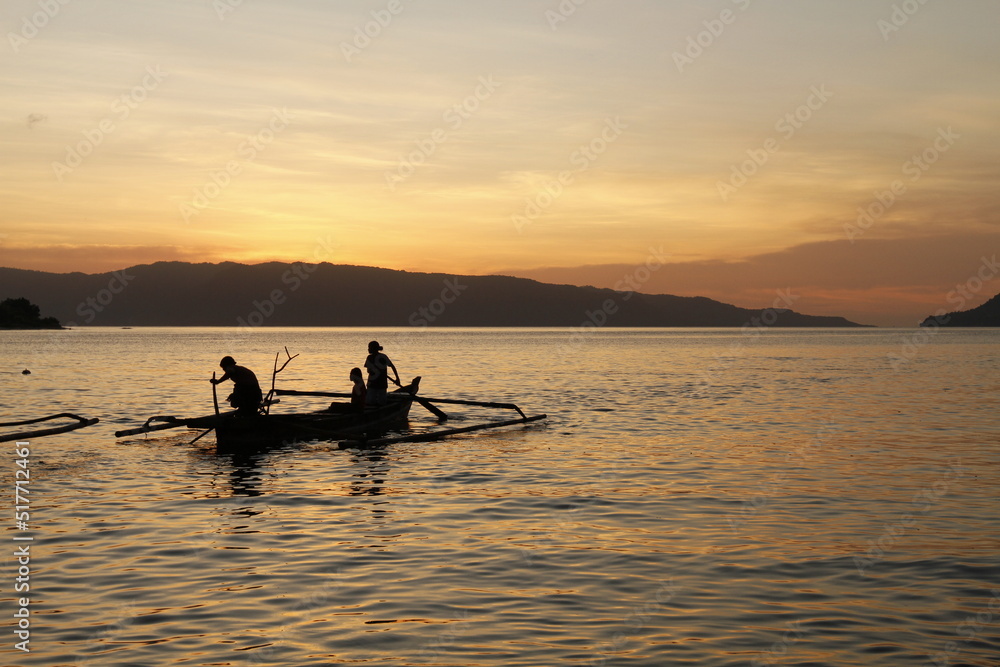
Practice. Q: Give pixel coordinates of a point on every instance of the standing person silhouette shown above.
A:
(246, 394)
(378, 365)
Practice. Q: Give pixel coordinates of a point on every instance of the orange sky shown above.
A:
(740, 137)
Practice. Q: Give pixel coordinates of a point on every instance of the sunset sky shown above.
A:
(735, 140)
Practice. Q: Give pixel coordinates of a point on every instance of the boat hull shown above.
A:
(239, 434)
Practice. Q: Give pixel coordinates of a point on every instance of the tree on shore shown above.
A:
(22, 314)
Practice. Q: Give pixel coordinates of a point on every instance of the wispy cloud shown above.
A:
(354, 120)
(888, 282)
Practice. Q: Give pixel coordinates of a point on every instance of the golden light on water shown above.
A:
(718, 495)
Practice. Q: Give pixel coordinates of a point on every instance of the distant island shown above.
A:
(986, 315)
(22, 314)
(329, 295)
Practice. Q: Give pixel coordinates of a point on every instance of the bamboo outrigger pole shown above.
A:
(425, 402)
(170, 422)
(419, 399)
(81, 422)
(435, 435)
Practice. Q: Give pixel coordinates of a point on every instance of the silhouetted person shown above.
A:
(378, 365)
(246, 394)
(359, 393)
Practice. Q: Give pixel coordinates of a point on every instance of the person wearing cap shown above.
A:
(378, 365)
(246, 396)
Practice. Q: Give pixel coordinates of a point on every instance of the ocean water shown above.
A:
(695, 497)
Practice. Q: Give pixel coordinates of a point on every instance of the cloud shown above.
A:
(97, 258)
(356, 121)
(888, 282)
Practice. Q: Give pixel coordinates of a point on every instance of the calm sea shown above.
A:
(696, 497)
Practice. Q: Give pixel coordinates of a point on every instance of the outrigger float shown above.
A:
(79, 422)
(340, 421)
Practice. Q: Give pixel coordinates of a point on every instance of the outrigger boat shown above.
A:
(340, 421)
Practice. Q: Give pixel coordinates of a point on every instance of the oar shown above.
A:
(202, 436)
(483, 404)
(440, 414)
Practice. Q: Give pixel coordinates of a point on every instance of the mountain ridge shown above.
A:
(984, 315)
(174, 293)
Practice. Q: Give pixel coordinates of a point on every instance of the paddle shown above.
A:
(483, 404)
(434, 410)
(202, 436)
(440, 414)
